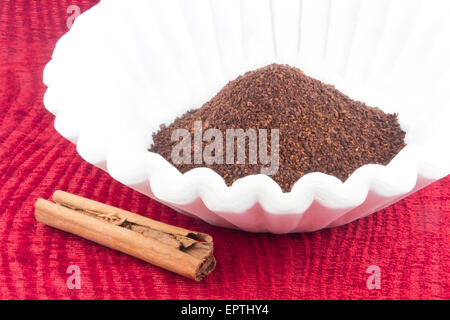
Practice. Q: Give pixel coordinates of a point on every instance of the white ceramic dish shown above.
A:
(125, 67)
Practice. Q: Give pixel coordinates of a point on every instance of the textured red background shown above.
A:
(408, 241)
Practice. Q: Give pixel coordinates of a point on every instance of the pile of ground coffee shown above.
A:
(320, 129)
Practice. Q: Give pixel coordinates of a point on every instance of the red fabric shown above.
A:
(408, 241)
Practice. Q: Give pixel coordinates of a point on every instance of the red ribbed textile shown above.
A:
(408, 241)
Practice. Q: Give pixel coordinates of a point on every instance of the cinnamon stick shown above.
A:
(185, 252)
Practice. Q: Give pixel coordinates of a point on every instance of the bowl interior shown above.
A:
(139, 66)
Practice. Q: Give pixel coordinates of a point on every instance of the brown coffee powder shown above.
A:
(320, 129)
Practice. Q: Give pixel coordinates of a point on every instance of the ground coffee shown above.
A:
(320, 129)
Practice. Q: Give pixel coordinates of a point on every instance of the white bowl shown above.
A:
(125, 67)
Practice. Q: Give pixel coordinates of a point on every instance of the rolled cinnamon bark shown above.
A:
(185, 252)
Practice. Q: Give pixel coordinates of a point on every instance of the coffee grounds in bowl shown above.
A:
(320, 129)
